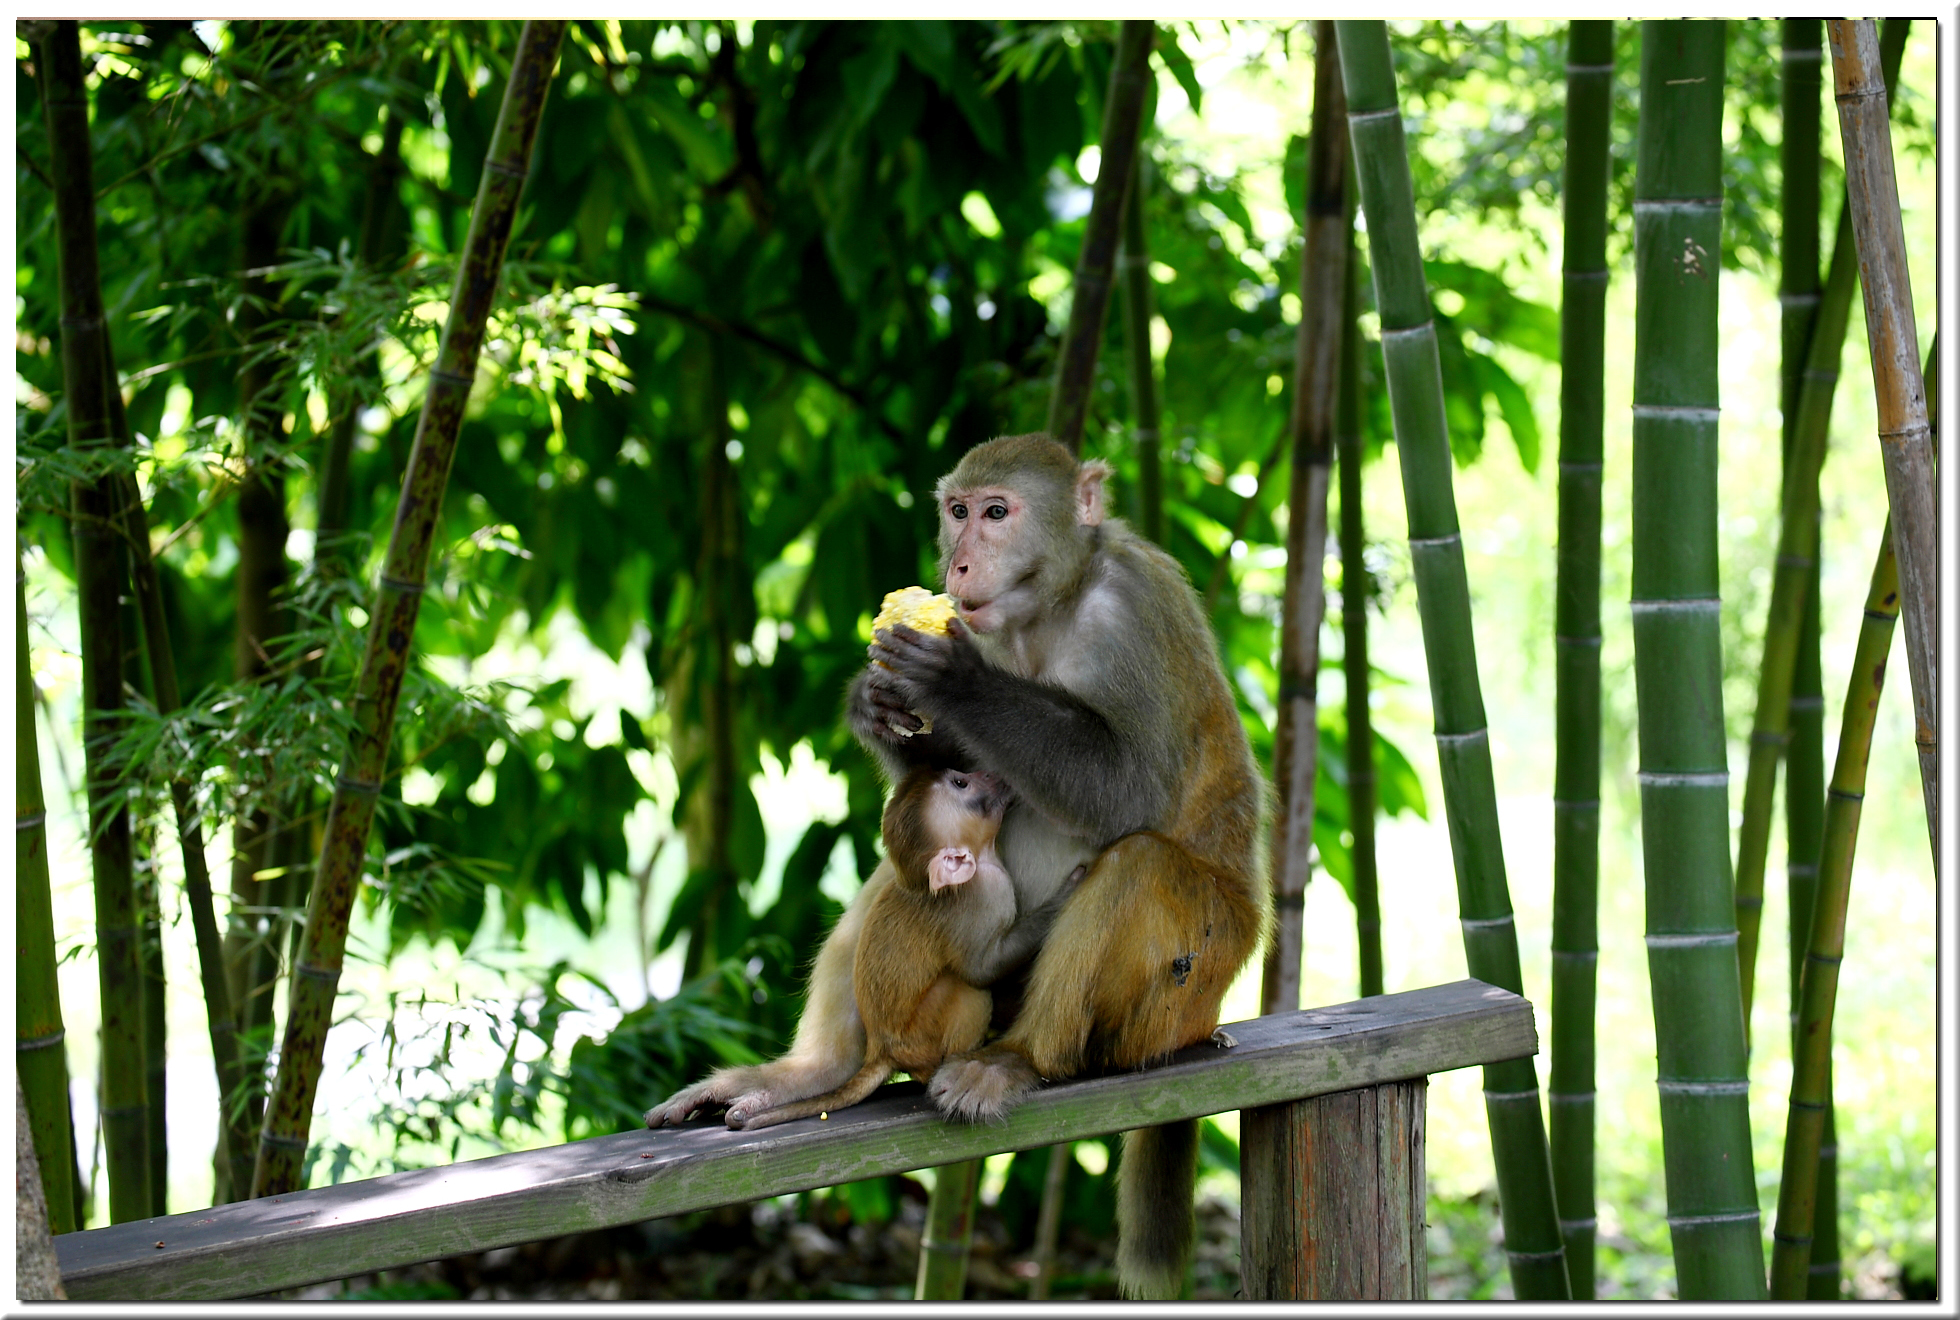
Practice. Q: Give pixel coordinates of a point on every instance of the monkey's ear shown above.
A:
(1089, 505)
(951, 866)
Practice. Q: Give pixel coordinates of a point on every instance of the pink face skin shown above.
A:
(967, 806)
(982, 525)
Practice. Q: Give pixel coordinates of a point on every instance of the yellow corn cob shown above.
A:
(922, 611)
(916, 608)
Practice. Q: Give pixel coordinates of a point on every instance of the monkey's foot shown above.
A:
(1224, 1039)
(982, 1086)
(731, 1087)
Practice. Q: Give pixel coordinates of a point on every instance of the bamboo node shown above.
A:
(361, 786)
(1728, 1217)
(1365, 116)
(1511, 1097)
(1485, 923)
(1666, 779)
(405, 587)
(1579, 1225)
(269, 1138)
(41, 1042)
(1663, 412)
(1558, 1254)
(1703, 1088)
(506, 169)
(454, 377)
(1578, 956)
(1571, 1097)
(1464, 739)
(32, 822)
(1571, 69)
(1692, 940)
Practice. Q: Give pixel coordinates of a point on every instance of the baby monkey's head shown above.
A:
(939, 823)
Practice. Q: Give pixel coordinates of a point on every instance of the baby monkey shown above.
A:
(935, 934)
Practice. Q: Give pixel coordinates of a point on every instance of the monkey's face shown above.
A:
(990, 544)
(968, 795)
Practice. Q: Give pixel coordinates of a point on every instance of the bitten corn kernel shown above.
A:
(916, 608)
(922, 611)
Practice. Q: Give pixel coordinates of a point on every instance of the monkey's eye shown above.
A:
(958, 511)
(959, 781)
(996, 512)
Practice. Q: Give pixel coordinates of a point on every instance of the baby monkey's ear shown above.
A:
(951, 866)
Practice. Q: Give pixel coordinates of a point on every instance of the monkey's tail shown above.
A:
(874, 1074)
(1155, 1218)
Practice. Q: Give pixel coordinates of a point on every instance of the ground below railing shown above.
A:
(1331, 1162)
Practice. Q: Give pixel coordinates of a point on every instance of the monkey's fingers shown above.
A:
(911, 655)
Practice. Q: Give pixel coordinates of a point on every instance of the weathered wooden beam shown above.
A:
(1331, 1196)
(255, 1247)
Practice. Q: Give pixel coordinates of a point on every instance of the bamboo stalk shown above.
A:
(1804, 757)
(1356, 588)
(1048, 1225)
(236, 1144)
(1575, 791)
(1796, 1204)
(1316, 385)
(1138, 314)
(95, 513)
(330, 550)
(1703, 1068)
(1122, 125)
(288, 1117)
(259, 585)
(40, 1050)
(1904, 428)
(948, 1239)
(1806, 442)
(1525, 1195)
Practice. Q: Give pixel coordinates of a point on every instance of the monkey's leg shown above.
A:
(868, 1079)
(1135, 967)
(829, 1044)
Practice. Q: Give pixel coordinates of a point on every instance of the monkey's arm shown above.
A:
(1094, 767)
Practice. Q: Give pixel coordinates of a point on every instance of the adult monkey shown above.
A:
(1086, 677)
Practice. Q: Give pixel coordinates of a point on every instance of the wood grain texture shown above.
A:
(1332, 1196)
(255, 1247)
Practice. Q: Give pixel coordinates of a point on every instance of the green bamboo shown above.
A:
(1806, 1208)
(1575, 789)
(1355, 591)
(94, 516)
(1311, 423)
(1807, 421)
(1691, 958)
(948, 1238)
(1804, 1135)
(236, 1143)
(40, 1054)
(1122, 126)
(1904, 425)
(1138, 313)
(1804, 756)
(289, 1115)
(1524, 1179)
(1048, 1224)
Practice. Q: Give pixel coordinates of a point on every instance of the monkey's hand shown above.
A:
(980, 1087)
(878, 712)
(922, 666)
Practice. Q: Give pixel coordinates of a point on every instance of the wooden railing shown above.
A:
(1331, 1152)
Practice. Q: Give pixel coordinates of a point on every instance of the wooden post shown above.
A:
(1331, 1197)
